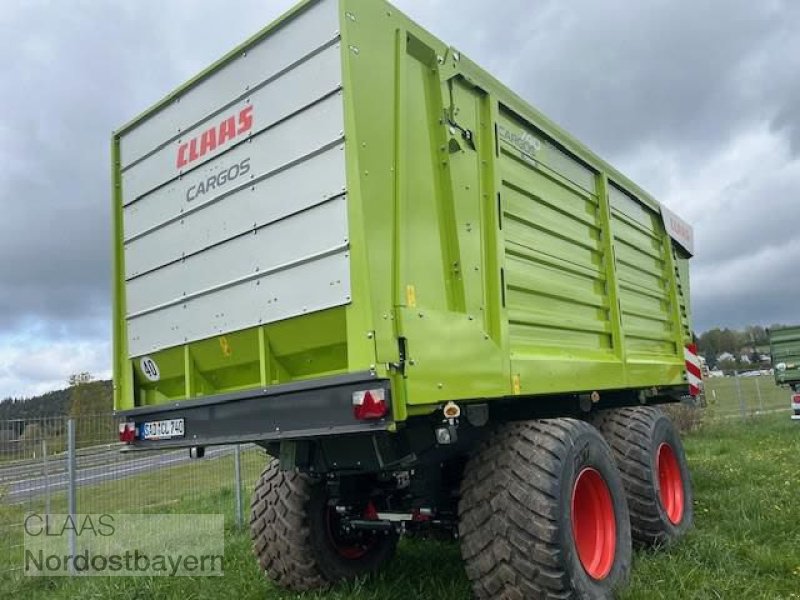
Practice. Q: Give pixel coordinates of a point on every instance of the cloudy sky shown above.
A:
(699, 102)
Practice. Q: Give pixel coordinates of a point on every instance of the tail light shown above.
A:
(127, 432)
(795, 398)
(370, 404)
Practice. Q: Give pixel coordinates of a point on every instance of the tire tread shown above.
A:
(279, 529)
(513, 476)
(629, 433)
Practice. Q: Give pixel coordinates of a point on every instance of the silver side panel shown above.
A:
(246, 208)
(299, 238)
(305, 86)
(271, 298)
(262, 62)
(241, 218)
(165, 225)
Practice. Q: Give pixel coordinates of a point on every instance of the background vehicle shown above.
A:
(784, 346)
(348, 243)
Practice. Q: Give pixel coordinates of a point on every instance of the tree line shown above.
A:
(83, 396)
(26, 422)
(753, 341)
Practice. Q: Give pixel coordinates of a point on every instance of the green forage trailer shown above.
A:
(784, 346)
(349, 244)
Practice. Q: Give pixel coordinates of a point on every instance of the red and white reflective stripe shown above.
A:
(693, 373)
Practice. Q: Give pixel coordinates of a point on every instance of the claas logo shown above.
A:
(216, 136)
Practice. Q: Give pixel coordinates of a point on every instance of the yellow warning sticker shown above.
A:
(225, 346)
(516, 385)
(411, 296)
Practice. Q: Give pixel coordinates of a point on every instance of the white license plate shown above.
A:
(163, 430)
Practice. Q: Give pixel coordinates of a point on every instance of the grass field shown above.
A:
(197, 487)
(746, 543)
(732, 396)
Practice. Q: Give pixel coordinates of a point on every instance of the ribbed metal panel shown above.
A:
(555, 281)
(269, 60)
(235, 205)
(640, 247)
(785, 349)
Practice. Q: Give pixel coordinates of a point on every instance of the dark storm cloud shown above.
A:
(62, 92)
(754, 284)
(623, 74)
(697, 101)
(71, 72)
(787, 119)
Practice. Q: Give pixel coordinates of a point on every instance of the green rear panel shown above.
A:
(784, 344)
(506, 256)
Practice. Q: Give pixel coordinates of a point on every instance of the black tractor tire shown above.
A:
(523, 510)
(652, 461)
(295, 539)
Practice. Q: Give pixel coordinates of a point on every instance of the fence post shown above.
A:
(742, 407)
(237, 476)
(46, 475)
(71, 495)
(760, 400)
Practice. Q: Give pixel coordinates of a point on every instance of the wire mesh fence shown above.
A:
(743, 396)
(35, 477)
(36, 459)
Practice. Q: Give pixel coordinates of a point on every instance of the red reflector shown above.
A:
(127, 432)
(370, 512)
(419, 517)
(370, 404)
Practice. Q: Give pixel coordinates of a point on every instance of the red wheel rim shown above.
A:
(594, 526)
(670, 483)
(344, 548)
